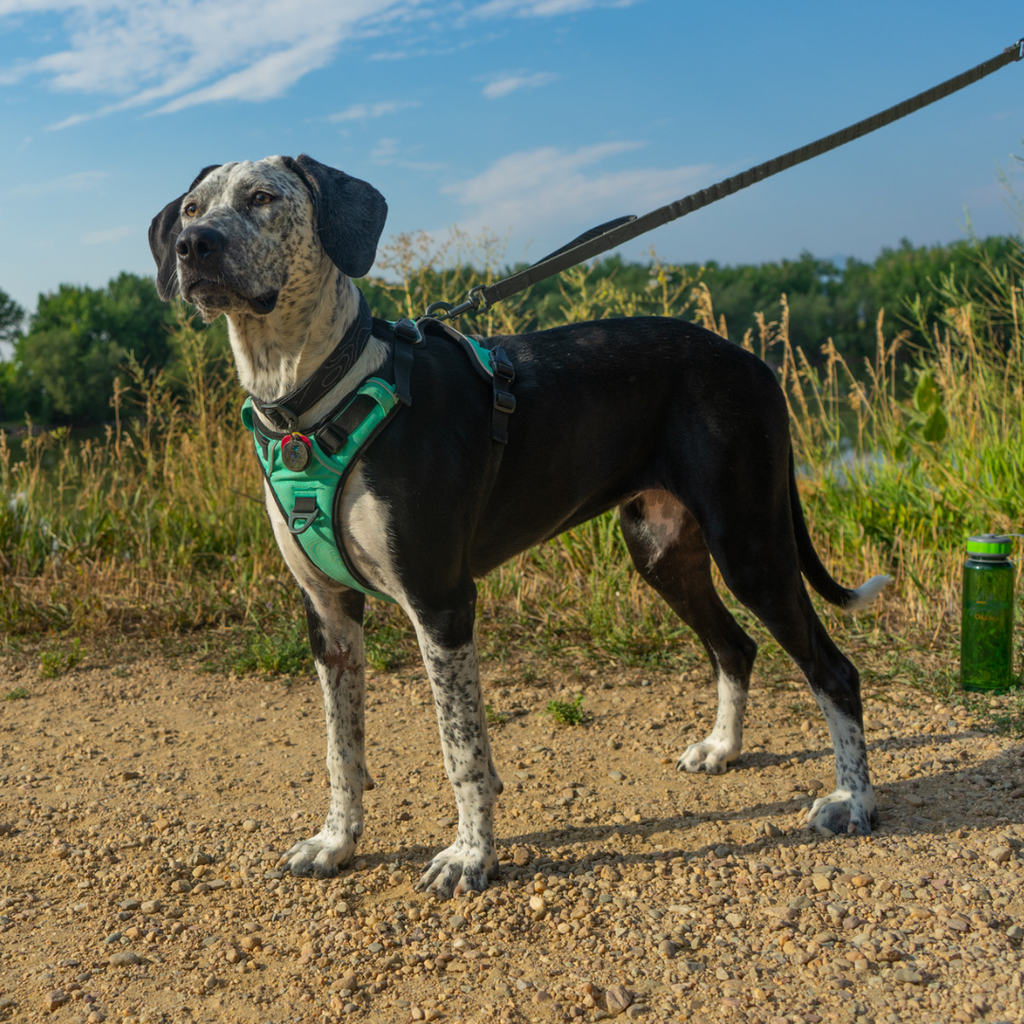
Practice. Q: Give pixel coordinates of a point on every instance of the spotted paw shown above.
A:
(709, 755)
(322, 856)
(461, 868)
(842, 811)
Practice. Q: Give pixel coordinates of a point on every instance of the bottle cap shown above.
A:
(989, 544)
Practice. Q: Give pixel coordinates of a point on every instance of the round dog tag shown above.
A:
(295, 452)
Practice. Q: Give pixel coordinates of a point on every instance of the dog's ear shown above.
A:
(163, 233)
(350, 214)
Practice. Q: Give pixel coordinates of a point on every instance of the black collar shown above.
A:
(285, 412)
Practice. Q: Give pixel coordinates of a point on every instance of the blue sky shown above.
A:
(533, 118)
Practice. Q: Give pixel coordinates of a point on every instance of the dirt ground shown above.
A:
(144, 803)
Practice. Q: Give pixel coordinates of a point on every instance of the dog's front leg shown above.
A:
(335, 620)
(449, 653)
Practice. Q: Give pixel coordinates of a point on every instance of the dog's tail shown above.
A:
(813, 569)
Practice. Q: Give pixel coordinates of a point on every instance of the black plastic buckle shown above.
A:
(332, 437)
(304, 512)
(502, 367)
(407, 331)
(504, 402)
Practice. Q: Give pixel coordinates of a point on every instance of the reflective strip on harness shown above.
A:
(306, 498)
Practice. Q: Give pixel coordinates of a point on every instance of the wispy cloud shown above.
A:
(77, 182)
(107, 235)
(506, 84)
(366, 111)
(166, 56)
(534, 190)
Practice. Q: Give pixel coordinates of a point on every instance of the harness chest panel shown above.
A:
(307, 473)
(307, 498)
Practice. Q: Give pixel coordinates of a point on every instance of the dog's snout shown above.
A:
(196, 244)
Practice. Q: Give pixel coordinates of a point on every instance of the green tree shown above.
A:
(12, 316)
(79, 340)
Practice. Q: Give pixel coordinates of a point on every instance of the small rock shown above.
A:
(616, 776)
(617, 999)
(914, 800)
(736, 920)
(521, 856)
(456, 922)
(821, 883)
(907, 976)
(538, 907)
(249, 825)
(667, 948)
(151, 907)
(771, 831)
(124, 958)
(129, 904)
(54, 1000)
(1015, 932)
(1000, 854)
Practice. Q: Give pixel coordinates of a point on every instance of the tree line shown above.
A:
(70, 350)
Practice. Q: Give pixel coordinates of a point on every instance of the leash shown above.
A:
(616, 232)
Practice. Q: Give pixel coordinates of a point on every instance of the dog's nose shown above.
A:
(195, 244)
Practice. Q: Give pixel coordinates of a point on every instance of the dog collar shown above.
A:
(285, 412)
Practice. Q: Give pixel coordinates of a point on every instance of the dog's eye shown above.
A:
(191, 209)
(261, 198)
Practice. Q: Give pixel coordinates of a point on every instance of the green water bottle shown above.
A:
(986, 635)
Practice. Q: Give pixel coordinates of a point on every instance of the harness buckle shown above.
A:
(505, 402)
(407, 331)
(302, 515)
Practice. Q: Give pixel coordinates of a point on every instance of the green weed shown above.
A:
(568, 712)
(56, 661)
(496, 717)
(274, 654)
(19, 693)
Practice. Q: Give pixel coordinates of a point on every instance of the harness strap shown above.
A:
(309, 472)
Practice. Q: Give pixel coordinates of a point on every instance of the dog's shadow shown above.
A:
(972, 795)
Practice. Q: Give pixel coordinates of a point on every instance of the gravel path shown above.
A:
(143, 807)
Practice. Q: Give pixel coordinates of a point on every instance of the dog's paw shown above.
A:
(711, 755)
(322, 856)
(842, 811)
(461, 868)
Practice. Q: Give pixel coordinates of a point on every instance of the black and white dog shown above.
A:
(685, 433)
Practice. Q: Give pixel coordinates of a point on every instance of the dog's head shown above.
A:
(243, 231)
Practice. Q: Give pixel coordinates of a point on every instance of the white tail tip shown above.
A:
(866, 593)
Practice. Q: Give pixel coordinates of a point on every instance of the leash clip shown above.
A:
(446, 311)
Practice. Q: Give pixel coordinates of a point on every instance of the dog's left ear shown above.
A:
(350, 214)
(163, 233)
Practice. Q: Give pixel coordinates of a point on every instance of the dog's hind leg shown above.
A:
(668, 550)
(449, 653)
(761, 568)
(334, 618)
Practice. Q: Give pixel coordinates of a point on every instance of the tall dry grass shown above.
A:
(159, 525)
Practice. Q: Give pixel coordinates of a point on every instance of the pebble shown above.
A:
(54, 1000)
(617, 999)
(907, 977)
(616, 776)
(124, 958)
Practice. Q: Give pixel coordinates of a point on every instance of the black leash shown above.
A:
(614, 233)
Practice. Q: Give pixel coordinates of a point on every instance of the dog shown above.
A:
(685, 433)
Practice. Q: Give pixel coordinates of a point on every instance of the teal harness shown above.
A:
(307, 472)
